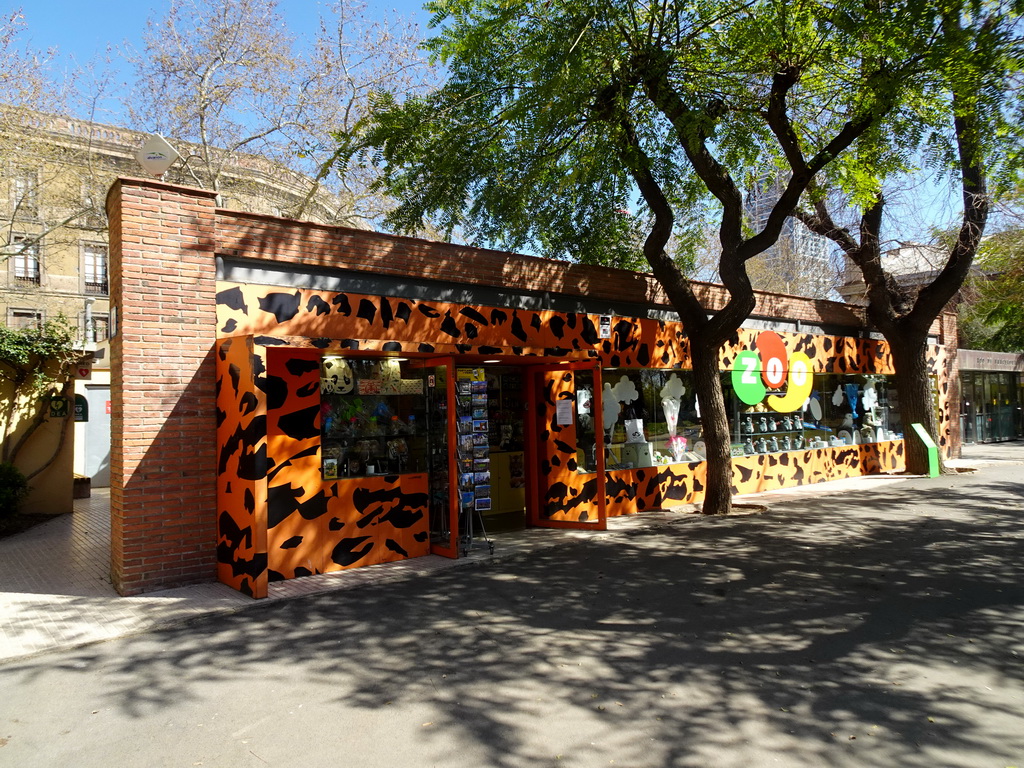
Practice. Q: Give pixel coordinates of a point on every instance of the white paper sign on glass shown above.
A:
(563, 413)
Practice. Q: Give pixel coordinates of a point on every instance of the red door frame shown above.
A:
(534, 491)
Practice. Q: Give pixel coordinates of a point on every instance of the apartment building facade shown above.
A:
(54, 175)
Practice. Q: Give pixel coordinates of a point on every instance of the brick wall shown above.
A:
(253, 236)
(163, 415)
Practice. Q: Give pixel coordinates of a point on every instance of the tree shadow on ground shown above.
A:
(878, 630)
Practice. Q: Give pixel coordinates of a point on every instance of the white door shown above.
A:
(97, 435)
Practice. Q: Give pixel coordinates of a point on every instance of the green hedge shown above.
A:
(13, 489)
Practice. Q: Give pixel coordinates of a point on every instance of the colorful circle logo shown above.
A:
(771, 368)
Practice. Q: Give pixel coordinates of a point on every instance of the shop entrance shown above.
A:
(506, 412)
(488, 464)
(475, 420)
(487, 453)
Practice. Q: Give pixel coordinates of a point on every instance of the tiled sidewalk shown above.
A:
(43, 607)
(55, 588)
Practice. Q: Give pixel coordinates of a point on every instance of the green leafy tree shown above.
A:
(993, 314)
(967, 127)
(560, 116)
(35, 364)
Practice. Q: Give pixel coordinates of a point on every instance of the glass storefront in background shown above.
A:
(990, 408)
(650, 417)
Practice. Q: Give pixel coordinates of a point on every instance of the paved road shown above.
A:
(879, 628)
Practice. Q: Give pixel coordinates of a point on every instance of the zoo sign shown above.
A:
(770, 368)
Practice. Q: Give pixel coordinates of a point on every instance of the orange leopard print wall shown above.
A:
(567, 494)
(242, 469)
(278, 519)
(949, 406)
(296, 502)
(316, 526)
(358, 321)
(636, 490)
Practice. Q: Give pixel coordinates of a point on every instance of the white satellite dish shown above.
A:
(156, 155)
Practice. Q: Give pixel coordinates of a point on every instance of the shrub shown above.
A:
(13, 489)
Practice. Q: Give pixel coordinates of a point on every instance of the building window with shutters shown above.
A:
(95, 328)
(25, 260)
(95, 269)
(24, 318)
(25, 191)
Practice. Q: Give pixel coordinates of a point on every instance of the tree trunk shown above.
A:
(67, 391)
(715, 426)
(917, 404)
(17, 381)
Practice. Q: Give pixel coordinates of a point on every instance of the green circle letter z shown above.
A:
(746, 378)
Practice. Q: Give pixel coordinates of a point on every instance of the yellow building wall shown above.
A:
(52, 490)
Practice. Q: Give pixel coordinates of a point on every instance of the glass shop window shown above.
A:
(840, 410)
(373, 417)
(850, 410)
(505, 409)
(650, 418)
(759, 429)
(586, 439)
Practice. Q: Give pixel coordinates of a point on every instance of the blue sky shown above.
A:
(96, 34)
(82, 31)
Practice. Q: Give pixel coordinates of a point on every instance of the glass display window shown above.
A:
(372, 417)
(650, 418)
(505, 409)
(991, 406)
(840, 410)
(586, 435)
(851, 410)
(760, 429)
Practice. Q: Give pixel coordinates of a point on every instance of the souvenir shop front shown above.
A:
(328, 398)
(393, 426)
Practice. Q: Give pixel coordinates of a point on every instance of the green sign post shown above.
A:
(933, 449)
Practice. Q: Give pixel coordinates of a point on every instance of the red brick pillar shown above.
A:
(163, 423)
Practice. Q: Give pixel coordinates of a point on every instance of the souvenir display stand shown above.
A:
(473, 456)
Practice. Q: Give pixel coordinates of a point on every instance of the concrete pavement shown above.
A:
(881, 626)
(55, 589)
